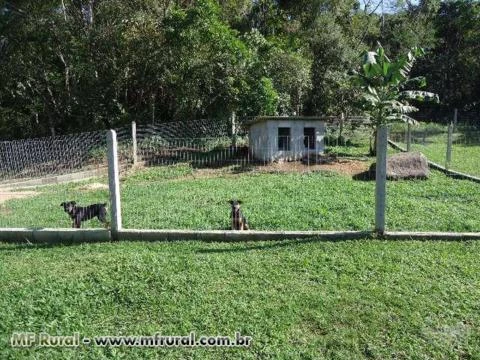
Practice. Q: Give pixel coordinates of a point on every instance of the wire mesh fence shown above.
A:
(285, 181)
(174, 177)
(199, 152)
(37, 175)
(34, 158)
(158, 145)
(432, 140)
(442, 202)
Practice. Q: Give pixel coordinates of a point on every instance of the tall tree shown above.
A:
(454, 67)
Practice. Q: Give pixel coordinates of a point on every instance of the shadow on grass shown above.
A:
(271, 244)
(364, 176)
(233, 246)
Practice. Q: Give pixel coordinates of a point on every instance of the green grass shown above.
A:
(465, 148)
(176, 198)
(352, 143)
(465, 158)
(298, 300)
(44, 210)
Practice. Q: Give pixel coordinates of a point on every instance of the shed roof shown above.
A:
(327, 119)
(258, 119)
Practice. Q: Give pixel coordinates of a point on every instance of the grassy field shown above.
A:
(297, 300)
(431, 140)
(178, 197)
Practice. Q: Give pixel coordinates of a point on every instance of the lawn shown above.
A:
(179, 197)
(431, 140)
(296, 299)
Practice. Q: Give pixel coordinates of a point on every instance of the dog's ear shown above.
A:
(239, 201)
(230, 202)
(62, 204)
(73, 202)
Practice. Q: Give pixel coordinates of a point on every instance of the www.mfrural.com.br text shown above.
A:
(43, 339)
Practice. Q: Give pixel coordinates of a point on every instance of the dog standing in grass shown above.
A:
(239, 221)
(80, 213)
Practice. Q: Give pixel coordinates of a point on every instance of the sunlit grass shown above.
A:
(181, 198)
(431, 140)
(297, 300)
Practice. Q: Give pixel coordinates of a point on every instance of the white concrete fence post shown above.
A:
(381, 179)
(114, 183)
(448, 159)
(134, 141)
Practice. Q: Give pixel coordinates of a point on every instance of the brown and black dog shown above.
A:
(80, 213)
(239, 221)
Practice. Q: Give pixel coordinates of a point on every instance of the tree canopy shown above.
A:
(78, 65)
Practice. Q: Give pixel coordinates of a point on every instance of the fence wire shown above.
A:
(182, 176)
(432, 140)
(38, 175)
(187, 182)
(33, 158)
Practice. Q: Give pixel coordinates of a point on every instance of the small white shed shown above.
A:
(274, 138)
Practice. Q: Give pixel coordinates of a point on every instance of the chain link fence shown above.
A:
(37, 175)
(185, 175)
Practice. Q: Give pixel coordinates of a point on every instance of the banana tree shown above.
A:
(383, 86)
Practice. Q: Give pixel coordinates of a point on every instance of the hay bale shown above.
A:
(408, 165)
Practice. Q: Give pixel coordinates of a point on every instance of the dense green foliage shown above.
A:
(383, 83)
(296, 299)
(70, 65)
(383, 87)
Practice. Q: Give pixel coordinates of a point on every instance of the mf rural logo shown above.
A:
(27, 339)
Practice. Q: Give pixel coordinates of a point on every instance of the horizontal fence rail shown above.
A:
(65, 236)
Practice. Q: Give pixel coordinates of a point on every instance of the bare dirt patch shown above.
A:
(341, 166)
(7, 195)
(348, 167)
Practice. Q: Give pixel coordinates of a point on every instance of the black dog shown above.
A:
(79, 214)
(239, 221)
